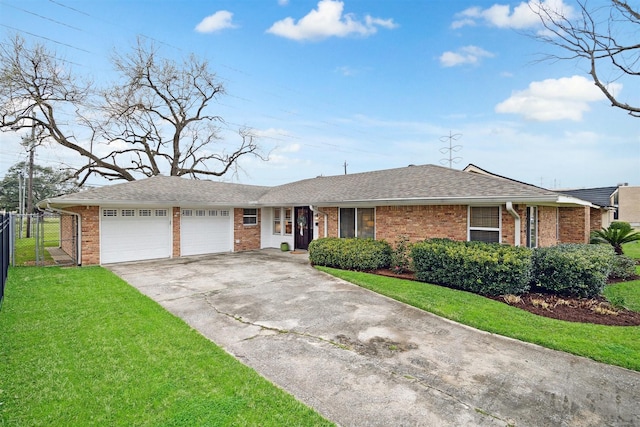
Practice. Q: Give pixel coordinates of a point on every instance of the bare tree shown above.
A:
(605, 36)
(155, 119)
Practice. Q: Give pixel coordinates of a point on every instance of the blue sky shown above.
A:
(373, 84)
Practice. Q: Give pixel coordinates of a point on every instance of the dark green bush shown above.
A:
(401, 255)
(482, 268)
(622, 267)
(350, 254)
(572, 269)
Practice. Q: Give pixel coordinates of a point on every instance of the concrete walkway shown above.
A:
(361, 359)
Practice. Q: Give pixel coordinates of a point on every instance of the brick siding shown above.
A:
(547, 226)
(89, 234)
(175, 252)
(245, 237)
(574, 225)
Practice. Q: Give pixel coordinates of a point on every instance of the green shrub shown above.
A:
(622, 267)
(350, 254)
(482, 268)
(572, 269)
(401, 255)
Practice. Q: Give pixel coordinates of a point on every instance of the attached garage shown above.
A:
(205, 231)
(134, 234)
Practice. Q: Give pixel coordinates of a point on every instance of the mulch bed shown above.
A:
(583, 310)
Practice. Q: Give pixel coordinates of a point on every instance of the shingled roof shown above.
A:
(427, 184)
(413, 183)
(164, 190)
(600, 196)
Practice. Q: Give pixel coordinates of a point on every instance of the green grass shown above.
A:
(26, 247)
(615, 345)
(632, 249)
(81, 347)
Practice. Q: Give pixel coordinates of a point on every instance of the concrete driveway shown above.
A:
(361, 359)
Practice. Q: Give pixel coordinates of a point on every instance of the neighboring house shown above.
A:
(627, 202)
(163, 217)
(600, 196)
(622, 202)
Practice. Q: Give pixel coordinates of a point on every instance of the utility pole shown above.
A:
(32, 149)
(345, 167)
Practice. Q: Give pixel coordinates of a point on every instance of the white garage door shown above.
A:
(205, 231)
(134, 234)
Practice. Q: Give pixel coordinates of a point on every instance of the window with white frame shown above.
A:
(357, 222)
(282, 221)
(250, 216)
(484, 224)
(277, 221)
(144, 212)
(532, 226)
(128, 212)
(109, 212)
(161, 212)
(288, 221)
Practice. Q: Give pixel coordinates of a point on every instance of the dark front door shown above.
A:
(304, 227)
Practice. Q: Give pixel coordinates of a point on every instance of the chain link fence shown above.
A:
(44, 239)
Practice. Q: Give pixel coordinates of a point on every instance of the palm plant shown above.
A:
(616, 235)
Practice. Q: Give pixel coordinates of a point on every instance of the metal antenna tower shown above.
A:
(451, 149)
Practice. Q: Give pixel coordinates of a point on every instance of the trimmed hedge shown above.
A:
(350, 254)
(623, 267)
(573, 269)
(482, 268)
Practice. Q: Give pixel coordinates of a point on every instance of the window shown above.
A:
(161, 212)
(357, 222)
(224, 213)
(484, 223)
(144, 212)
(277, 221)
(282, 221)
(109, 212)
(201, 212)
(288, 221)
(250, 216)
(187, 212)
(532, 226)
(213, 212)
(128, 212)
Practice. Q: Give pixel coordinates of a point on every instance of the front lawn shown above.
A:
(81, 347)
(615, 345)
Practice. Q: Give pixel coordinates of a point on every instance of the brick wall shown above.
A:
(595, 219)
(90, 233)
(547, 226)
(421, 222)
(175, 252)
(67, 231)
(245, 237)
(509, 225)
(574, 224)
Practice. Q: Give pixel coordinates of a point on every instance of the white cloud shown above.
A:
(326, 21)
(465, 55)
(566, 98)
(283, 2)
(501, 16)
(218, 21)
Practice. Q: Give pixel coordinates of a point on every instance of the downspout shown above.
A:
(516, 217)
(77, 215)
(315, 211)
